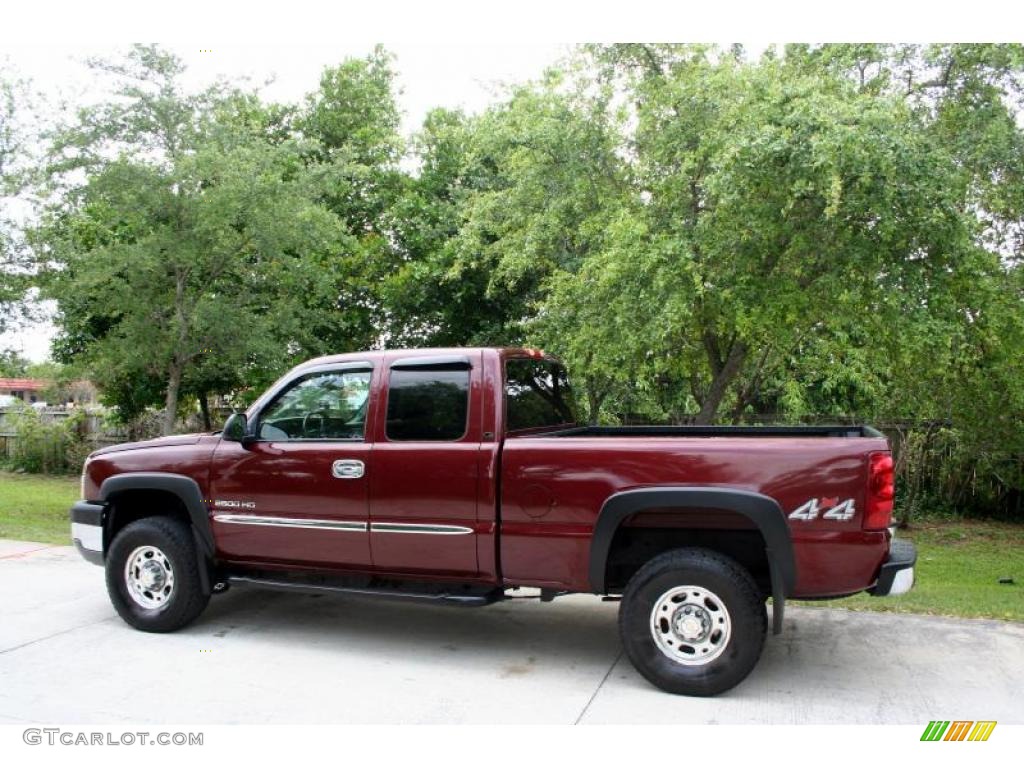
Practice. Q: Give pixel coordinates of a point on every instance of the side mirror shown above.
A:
(236, 429)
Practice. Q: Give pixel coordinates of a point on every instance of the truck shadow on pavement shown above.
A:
(578, 630)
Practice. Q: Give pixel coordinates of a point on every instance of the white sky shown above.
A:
(466, 76)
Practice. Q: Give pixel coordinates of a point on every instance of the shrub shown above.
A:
(945, 471)
(46, 446)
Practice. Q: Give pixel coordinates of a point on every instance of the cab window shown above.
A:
(428, 403)
(329, 405)
(537, 394)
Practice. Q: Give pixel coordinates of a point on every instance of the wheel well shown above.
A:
(647, 534)
(134, 504)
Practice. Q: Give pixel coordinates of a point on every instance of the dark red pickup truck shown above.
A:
(459, 475)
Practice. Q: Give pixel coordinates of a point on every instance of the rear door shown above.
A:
(424, 484)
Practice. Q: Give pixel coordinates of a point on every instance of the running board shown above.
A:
(470, 601)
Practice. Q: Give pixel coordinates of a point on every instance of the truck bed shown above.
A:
(553, 485)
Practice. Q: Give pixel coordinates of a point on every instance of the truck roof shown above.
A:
(377, 354)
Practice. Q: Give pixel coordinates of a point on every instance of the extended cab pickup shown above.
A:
(460, 475)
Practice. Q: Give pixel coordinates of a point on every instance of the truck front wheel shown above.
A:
(153, 575)
(693, 622)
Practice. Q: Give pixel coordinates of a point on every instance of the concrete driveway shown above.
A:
(266, 657)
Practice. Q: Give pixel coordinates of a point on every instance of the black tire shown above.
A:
(733, 586)
(186, 600)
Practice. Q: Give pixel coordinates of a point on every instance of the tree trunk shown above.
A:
(723, 377)
(594, 401)
(204, 407)
(179, 358)
(171, 404)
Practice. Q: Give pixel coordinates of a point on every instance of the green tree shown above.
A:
(828, 231)
(13, 155)
(352, 122)
(751, 209)
(13, 364)
(426, 301)
(502, 202)
(176, 259)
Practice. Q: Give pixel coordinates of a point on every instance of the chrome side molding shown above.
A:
(433, 529)
(428, 528)
(293, 522)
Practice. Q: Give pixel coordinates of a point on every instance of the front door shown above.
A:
(299, 494)
(423, 489)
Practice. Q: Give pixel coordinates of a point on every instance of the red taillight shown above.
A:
(881, 491)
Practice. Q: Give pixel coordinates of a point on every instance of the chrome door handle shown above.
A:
(348, 469)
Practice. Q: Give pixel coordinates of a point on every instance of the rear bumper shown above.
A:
(897, 574)
(87, 530)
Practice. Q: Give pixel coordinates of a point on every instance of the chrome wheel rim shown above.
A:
(690, 625)
(149, 577)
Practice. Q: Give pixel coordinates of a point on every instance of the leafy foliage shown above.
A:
(51, 447)
(826, 232)
(200, 216)
(14, 281)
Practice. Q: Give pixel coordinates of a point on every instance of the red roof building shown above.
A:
(29, 390)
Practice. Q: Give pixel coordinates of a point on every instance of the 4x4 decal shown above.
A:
(831, 506)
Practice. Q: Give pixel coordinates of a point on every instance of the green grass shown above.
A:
(959, 565)
(35, 507)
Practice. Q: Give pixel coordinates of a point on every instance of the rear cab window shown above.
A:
(428, 402)
(538, 395)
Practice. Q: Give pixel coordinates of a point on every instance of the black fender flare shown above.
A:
(186, 490)
(762, 510)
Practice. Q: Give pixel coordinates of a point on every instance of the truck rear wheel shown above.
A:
(153, 575)
(693, 622)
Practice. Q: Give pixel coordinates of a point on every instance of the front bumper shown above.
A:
(897, 574)
(87, 530)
